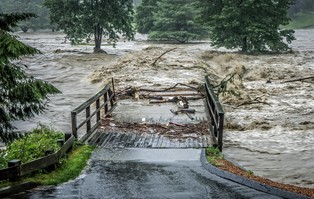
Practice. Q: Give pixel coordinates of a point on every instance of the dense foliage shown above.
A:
(82, 19)
(251, 25)
(21, 95)
(30, 6)
(136, 2)
(169, 20)
(144, 15)
(31, 146)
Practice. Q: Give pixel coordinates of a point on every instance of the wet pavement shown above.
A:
(146, 173)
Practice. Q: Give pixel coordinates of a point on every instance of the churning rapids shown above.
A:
(273, 137)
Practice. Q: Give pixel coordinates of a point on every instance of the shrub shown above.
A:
(31, 146)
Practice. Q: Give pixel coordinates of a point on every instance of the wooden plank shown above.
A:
(102, 138)
(39, 164)
(96, 137)
(67, 145)
(130, 140)
(151, 141)
(126, 139)
(117, 141)
(103, 144)
(8, 173)
(147, 140)
(136, 140)
(140, 142)
(155, 140)
(160, 140)
(165, 142)
(110, 141)
(121, 142)
(144, 140)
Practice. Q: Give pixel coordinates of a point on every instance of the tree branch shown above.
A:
(163, 55)
(300, 79)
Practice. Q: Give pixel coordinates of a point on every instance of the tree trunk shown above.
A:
(98, 39)
(244, 44)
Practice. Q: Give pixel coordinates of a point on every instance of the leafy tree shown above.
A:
(29, 6)
(176, 20)
(144, 15)
(21, 95)
(251, 25)
(82, 19)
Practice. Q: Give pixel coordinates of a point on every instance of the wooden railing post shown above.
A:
(88, 122)
(74, 124)
(106, 103)
(15, 163)
(220, 133)
(111, 98)
(98, 112)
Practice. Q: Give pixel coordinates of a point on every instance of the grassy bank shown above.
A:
(70, 169)
(302, 20)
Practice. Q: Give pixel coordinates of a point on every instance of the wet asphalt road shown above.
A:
(146, 173)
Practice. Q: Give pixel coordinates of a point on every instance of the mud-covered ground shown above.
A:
(268, 116)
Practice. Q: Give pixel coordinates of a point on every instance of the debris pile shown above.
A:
(170, 130)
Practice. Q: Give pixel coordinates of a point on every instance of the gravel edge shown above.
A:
(247, 182)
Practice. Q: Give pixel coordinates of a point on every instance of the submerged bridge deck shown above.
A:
(143, 118)
(147, 123)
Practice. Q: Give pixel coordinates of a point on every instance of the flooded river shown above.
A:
(68, 68)
(282, 152)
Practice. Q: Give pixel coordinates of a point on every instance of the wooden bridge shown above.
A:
(176, 117)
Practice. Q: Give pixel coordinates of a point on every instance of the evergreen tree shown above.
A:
(29, 6)
(144, 15)
(176, 20)
(82, 19)
(251, 25)
(21, 95)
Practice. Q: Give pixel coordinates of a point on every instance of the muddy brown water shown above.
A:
(279, 153)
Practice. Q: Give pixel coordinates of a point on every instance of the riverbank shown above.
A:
(302, 20)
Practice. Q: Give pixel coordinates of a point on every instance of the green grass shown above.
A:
(70, 168)
(213, 155)
(302, 20)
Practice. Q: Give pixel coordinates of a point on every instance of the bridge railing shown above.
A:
(215, 114)
(104, 101)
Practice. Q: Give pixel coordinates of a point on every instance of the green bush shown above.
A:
(31, 146)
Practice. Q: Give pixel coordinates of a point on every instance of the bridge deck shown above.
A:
(145, 140)
(143, 124)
